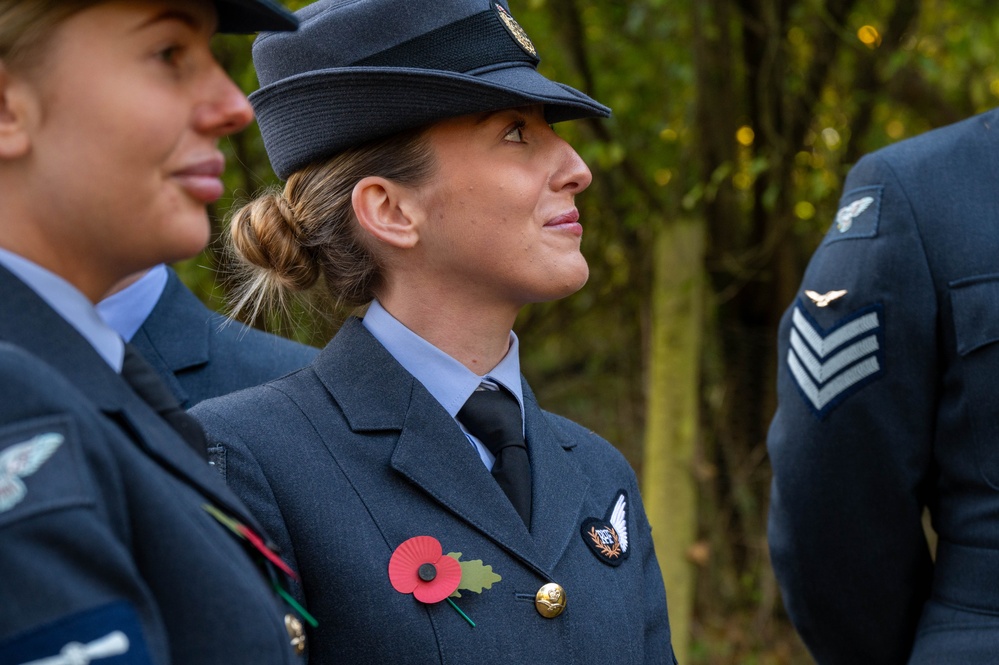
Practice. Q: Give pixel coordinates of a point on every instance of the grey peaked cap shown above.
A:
(359, 70)
(245, 16)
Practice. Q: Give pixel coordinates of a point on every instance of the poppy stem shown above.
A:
(298, 608)
(458, 609)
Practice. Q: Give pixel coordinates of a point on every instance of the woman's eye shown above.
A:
(170, 54)
(515, 135)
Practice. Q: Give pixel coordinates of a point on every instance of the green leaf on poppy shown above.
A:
(475, 576)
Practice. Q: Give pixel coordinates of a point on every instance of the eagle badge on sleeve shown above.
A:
(859, 215)
(846, 214)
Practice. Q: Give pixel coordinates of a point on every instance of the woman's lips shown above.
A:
(568, 221)
(202, 180)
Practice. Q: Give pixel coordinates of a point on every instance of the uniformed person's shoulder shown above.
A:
(914, 188)
(239, 413)
(41, 419)
(22, 368)
(50, 437)
(84, 513)
(940, 148)
(255, 350)
(569, 429)
(260, 399)
(238, 355)
(32, 390)
(586, 444)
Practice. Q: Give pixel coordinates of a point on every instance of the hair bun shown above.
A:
(266, 234)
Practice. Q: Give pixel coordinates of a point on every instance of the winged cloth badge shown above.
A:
(21, 460)
(608, 538)
(846, 214)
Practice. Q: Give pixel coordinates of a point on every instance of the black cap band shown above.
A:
(246, 16)
(479, 40)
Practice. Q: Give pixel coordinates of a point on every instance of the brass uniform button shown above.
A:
(296, 632)
(550, 600)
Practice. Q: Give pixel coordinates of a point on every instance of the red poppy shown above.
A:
(418, 566)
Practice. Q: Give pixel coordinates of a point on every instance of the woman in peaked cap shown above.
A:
(434, 511)
(116, 539)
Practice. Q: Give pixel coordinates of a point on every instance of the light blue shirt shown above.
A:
(70, 303)
(128, 309)
(446, 379)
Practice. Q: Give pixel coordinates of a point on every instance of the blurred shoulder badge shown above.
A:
(859, 215)
(21, 460)
(515, 30)
(608, 538)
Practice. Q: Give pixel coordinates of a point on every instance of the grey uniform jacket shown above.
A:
(201, 354)
(888, 404)
(105, 532)
(346, 459)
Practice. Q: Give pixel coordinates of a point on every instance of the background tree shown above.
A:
(734, 124)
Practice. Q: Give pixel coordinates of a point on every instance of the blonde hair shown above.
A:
(25, 28)
(284, 242)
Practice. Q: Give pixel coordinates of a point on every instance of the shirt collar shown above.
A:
(450, 382)
(128, 309)
(70, 303)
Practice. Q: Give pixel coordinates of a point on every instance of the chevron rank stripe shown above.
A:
(830, 365)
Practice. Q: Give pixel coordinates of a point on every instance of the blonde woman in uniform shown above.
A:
(425, 182)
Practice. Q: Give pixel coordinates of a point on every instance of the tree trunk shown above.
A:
(669, 486)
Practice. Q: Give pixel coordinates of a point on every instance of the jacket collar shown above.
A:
(176, 336)
(179, 326)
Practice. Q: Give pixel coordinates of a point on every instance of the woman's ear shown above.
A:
(384, 209)
(14, 107)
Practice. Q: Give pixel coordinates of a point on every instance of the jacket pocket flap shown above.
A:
(976, 311)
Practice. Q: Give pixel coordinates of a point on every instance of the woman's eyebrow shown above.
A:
(482, 118)
(519, 111)
(193, 21)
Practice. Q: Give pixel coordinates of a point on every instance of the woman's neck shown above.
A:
(474, 334)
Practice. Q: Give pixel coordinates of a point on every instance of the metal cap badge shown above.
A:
(515, 30)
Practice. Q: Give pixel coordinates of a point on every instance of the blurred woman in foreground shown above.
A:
(116, 539)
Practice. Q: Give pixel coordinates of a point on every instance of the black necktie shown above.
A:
(493, 417)
(148, 385)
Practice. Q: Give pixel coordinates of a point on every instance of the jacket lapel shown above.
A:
(377, 394)
(434, 453)
(558, 485)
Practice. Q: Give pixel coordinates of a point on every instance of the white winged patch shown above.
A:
(619, 520)
(607, 537)
(846, 214)
(21, 460)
